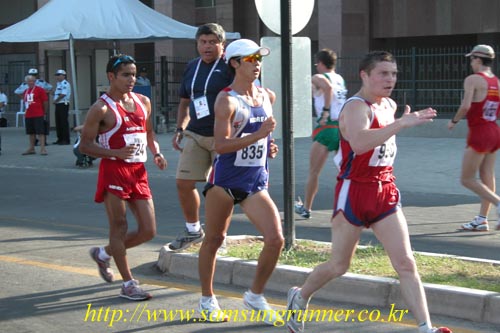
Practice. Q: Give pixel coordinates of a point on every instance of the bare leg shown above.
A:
(487, 176)
(470, 166)
(264, 214)
(218, 210)
(41, 138)
(392, 232)
(144, 213)
(31, 147)
(317, 160)
(116, 211)
(345, 237)
(189, 199)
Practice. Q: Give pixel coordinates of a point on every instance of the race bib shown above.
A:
(201, 107)
(253, 155)
(139, 141)
(384, 154)
(490, 110)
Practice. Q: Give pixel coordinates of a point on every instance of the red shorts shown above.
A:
(365, 203)
(128, 181)
(484, 138)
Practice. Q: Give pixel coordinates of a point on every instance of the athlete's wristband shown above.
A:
(454, 121)
(159, 155)
(179, 130)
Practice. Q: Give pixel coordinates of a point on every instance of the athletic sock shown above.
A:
(481, 218)
(103, 255)
(193, 226)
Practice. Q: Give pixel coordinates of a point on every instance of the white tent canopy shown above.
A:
(60, 20)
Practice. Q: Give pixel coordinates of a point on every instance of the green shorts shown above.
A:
(327, 135)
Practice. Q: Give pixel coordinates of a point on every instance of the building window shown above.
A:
(204, 3)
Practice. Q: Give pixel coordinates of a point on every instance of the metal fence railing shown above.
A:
(426, 76)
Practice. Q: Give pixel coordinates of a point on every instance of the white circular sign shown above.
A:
(269, 12)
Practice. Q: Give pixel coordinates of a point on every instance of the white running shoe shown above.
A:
(268, 315)
(475, 225)
(210, 311)
(294, 310)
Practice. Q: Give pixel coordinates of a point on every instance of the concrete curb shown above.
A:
(457, 302)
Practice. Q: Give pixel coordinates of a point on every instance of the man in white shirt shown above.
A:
(62, 95)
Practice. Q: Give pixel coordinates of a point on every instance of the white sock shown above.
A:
(127, 283)
(481, 218)
(424, 327)
(103, 255)
(193, 226)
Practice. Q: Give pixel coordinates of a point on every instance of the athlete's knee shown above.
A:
(274, 241)
(405, 266)
(335, 268)
(214, 241)
(467, 181)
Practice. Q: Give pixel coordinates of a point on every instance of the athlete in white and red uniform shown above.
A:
(122, 120)
(124, 178)
(480, 104)
(366, 192)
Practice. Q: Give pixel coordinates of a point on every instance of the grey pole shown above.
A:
(287, 120)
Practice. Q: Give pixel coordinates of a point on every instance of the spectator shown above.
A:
(142, 79)
(61, 100)
(37, 106)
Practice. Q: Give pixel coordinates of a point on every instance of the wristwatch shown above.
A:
(179, 130)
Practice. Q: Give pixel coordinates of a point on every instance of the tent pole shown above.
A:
(73, 74)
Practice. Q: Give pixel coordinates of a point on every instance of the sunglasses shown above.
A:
(253, 58)
(126, 59)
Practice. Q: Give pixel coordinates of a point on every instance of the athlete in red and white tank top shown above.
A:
(486, 111)
(129, 129)
(376, 164)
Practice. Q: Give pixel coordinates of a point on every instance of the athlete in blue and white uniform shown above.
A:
(242, 129)
(244, 172)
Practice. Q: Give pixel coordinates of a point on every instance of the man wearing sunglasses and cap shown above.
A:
(480, 104)
(122, 120)
(242, 132)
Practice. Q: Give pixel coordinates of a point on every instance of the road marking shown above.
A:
(190, 288)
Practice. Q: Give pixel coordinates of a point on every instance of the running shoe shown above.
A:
(102, 265)
(186, 239)
(475, 225)
(134, 292)
(210, 311)
(299, 209)
(268, 314)
(294, 310)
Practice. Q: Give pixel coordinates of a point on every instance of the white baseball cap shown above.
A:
(60, 72)
(482, 51)
(33, 71)
(244, 47)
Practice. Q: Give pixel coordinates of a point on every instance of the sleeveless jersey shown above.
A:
(339, 93)
(245, 169)
(486, 111)
(376, 164)
(129, 129)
